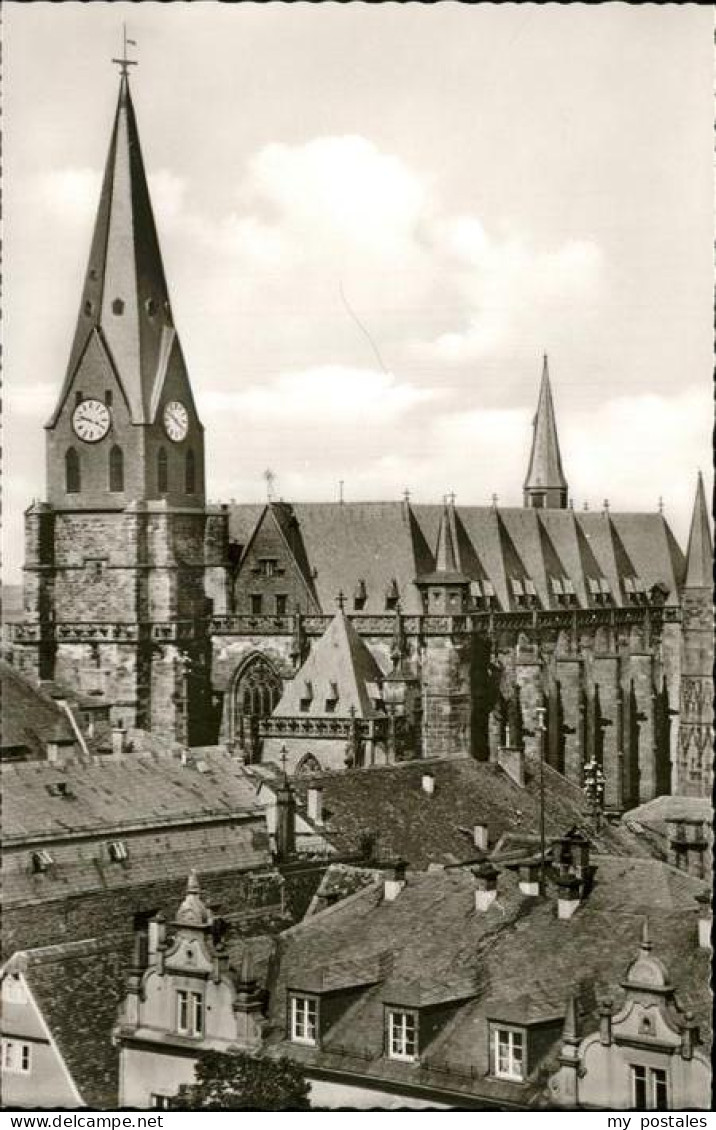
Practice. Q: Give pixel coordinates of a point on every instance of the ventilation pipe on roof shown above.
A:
(529, 879)
(394, 881)
(481, 836)
(428, 783)
(485, 885)
(314, 798)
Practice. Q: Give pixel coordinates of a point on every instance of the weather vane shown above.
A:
(124, 62)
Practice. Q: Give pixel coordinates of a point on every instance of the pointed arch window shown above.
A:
(116, 469)
(73, 483)
(190, 473)
(162, 471)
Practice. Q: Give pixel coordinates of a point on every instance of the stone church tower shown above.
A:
(115, 559)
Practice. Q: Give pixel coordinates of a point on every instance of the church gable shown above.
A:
(273, 577)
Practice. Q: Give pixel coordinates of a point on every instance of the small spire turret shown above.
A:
(699, 555)
(545, 484)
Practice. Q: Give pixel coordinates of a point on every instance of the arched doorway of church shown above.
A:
(256, 690)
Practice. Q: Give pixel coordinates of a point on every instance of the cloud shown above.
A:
(70, 193)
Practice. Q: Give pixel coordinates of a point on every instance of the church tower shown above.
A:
(545, 485)
(115, 557)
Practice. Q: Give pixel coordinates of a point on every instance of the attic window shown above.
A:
(117, 306)
(117, 851)
(488, 588)
(392, 595)
(306, 698)
(41, 861)
(304, 1020)
(332, 697)
(508, 1053)
(568, 587)
(402, 1035)
(60, 788)
(530, 587)
(517, 587)
(557, 586)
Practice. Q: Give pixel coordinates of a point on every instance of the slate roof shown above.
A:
(388, 802)
(166, 814)
(545, 465)
(29, 716)
(125, 260)
(516, 958)
(115, 794)
(378, 541)
(338, 661)
(700, 554)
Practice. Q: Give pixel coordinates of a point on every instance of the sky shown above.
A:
(375, 219)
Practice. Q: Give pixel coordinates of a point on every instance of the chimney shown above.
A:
(575, 848)
(394, 881)
(428, 783)
(157, 933)
(480, 836)
(567, 895)
(314, 798)
(529, 879)
(58, 750)
(485, 885)
(705, 920)
(119, 735)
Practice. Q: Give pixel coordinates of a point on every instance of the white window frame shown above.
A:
(159, 1102)
(189, 1013)
(514, 1038)
(304, 1020)
(16, 1057)
(402, 1035)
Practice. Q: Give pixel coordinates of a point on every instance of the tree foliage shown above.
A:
(239, 1081)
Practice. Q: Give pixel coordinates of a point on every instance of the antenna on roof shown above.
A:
(340, 491)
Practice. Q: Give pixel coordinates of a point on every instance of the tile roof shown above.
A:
(515, 958)
(389, 803)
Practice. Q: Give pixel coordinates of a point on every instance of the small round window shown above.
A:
(118, 306)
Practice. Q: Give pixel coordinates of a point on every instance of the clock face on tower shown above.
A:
(176, 421)
(91, 420)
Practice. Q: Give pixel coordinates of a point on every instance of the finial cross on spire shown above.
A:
(340, 599)
(124, 63)
(451, 497)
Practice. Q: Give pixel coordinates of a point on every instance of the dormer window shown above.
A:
(508, 1053)
(530, 588)
(306, 698)
(117, 307)
(332, 698)
(392, 595)
(402, 1035)
(117, 851)
(304, 1019)
(41, 861)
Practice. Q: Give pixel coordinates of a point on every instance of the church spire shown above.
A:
(125, 299)
(699, 555)
(545, 485)
(445, 555)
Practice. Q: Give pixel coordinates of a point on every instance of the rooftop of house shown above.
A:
(516, 962)
(655, 814)
(43, 801)
(78, 987)
(376, 543)
(390, 805)
(32, 715)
